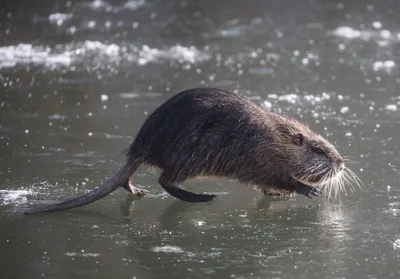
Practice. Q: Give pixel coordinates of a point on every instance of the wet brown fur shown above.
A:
(212, 132)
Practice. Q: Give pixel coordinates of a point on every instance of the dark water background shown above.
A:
(78, 78)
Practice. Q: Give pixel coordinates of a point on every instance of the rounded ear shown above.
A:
(298, 139)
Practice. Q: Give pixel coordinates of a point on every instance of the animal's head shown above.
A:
(311, 159)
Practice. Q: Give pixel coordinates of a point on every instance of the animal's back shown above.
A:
(199, 127)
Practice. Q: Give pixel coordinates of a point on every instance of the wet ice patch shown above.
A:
(57, 117)
(382, 37)
(347, 32)
(88, 47)
(317, 98)
(391, 107)
(387, 65)
(96, 4)
(128, 95)
(133, 4)
(74, 254)
(59, 18)
(167, 249)
(266, 105)
(14, 196)
(234, 31)
(12, 55)
(180, 53)
(104, 5)
(294, 98)
(104, 97)
(290, 98)
(394, 209)
(396, 244)
(96, 53)
(344, 109)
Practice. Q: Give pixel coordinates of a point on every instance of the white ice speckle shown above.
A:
(97, 4)
(110, 50)
(290, 98)
(104, 98)
(391, 107)
(74, 254)
(347, 32)
(59, 18)
(56, 117)
(178, 52)
(344, 109)
(26, 131)
(325, 96)
(128, 95)
(383, 65)
(389, 64)
(377, 24)
(267, 104)
(91, 24)
(396, 244)
(72, 29)
(168, 249)
(90, 134)
(385, 34)
(134, 5)
(233, 31)
(305, 61)
(348, 134)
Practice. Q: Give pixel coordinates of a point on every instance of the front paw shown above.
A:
(276, 192)
(308, 191)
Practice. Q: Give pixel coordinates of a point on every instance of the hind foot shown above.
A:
(308, 191)
(133, 189)
(137, 191)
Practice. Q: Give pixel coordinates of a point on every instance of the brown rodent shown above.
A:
(212, 132)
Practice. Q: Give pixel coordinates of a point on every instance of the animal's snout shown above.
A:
(338, 161)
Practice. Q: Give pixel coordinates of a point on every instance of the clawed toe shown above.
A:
(141, 192)
(136, 191)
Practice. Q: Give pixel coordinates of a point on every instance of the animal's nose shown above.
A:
(339, 162)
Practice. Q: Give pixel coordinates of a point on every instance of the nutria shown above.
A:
(212, 132)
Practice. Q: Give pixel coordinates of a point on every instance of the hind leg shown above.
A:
(167, 182)
(133, 189)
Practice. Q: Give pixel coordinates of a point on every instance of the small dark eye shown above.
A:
(317, 150)
(298, 139)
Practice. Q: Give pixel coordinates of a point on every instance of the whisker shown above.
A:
(350, 180)
(355, 177)
(350, 162)
(346, 157)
